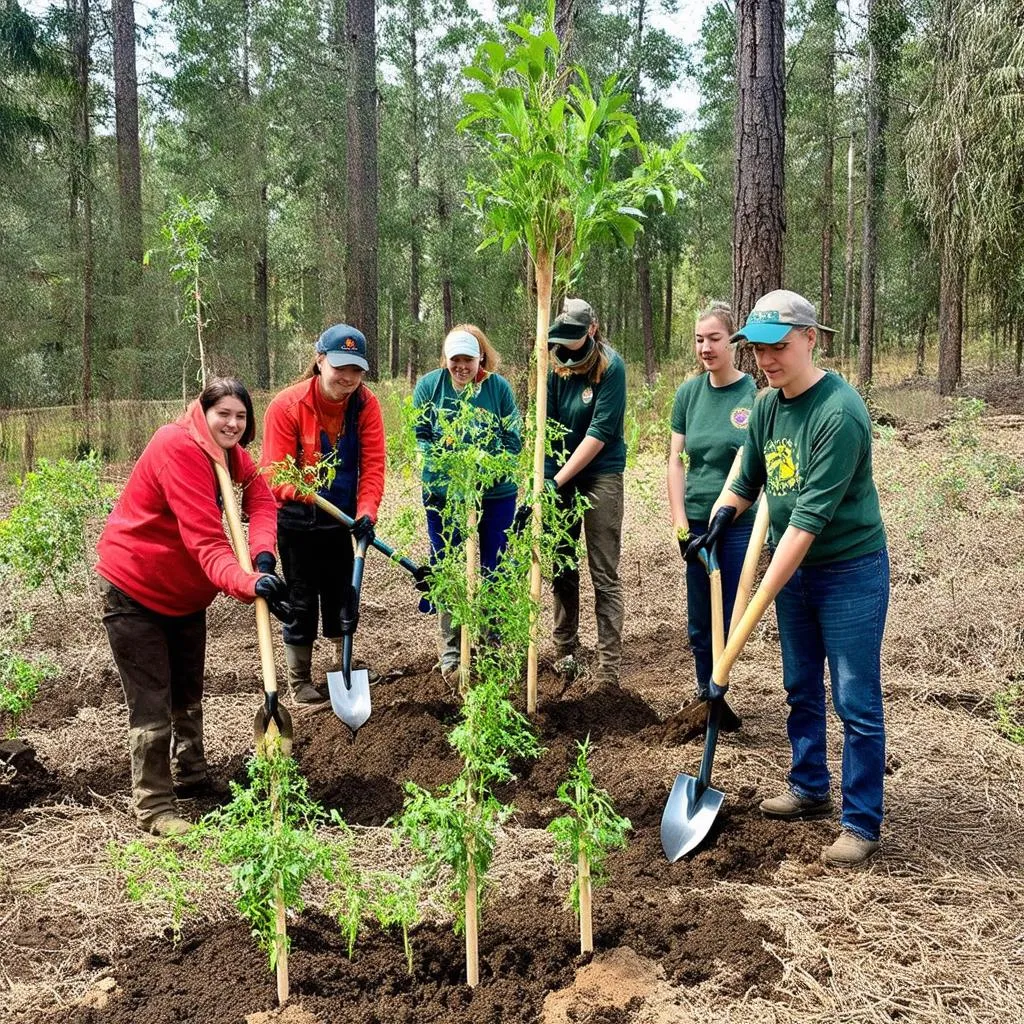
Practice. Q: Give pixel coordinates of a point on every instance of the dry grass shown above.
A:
(929, 932)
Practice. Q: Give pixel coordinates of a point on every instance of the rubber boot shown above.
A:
(449, 647)
(152, 793)
(300, 677)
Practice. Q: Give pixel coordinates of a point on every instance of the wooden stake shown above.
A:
(472, 942)
(544, 279)
(472, 570)
(586, 906)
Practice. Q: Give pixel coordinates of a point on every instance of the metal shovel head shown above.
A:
(687, 818)
(351, 702)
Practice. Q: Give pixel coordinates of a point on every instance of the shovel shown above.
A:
(350, 689)
(272, 725)
(693, 804)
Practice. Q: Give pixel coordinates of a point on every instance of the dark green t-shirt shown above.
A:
(714, 422)
(435, 391)
(812, 454)
(590, 410)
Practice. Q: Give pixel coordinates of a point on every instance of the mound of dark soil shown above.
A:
(527, 948)
(23, 780)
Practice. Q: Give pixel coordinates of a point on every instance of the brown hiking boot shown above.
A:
(791, 807)
(168, 824)
(849, 851)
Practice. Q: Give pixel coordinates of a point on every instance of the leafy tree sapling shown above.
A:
(585, 838)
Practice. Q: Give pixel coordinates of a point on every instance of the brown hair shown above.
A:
(230, 387)
(489, 358)
(722, 312)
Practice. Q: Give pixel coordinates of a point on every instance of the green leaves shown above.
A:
(568, 166)
(593, 828)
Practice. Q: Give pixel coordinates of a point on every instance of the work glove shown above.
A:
(274, 591)
(362, 529)
(266, 562)
(706, 541)
(422, 577)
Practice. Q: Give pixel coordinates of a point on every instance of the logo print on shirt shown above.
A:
(587, 395)
(783, 473)
(740, 417)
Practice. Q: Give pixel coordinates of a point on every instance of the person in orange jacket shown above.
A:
(164, 557)
(329, 411)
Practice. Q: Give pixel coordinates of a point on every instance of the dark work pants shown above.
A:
(317, 565)
(160, 659)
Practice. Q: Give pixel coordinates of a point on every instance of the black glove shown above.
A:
(521, 520)
(706, 541)
(362, 529)
(274, 591)
(684, 542)
(266, 562)
(422, 577)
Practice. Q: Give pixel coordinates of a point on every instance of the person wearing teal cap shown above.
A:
(709, 423)
(809, 446)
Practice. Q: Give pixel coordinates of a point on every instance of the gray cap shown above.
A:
(775, 315)
(572, 323)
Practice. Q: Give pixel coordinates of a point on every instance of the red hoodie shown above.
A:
(164, 544)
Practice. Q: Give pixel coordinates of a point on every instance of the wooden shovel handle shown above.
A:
(239, 543)
(750, 560)
(741, 634)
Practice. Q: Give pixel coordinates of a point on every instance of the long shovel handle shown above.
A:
(349, 627)
(241, 546)
(757, 538)
(759, 604)
(382, 546)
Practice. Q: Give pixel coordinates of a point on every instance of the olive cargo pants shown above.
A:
(160, 659)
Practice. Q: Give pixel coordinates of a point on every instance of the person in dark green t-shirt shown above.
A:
(587, 397)
(709, 424)
(468, 358)
(809, 446)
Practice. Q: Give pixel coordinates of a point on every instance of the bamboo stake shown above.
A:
(472, 570)
(472, 943)
(544, 268)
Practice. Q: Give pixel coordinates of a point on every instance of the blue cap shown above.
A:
(344, 346)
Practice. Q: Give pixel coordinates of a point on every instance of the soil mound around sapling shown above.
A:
(57, 703)
(527, 948)
(23, 780)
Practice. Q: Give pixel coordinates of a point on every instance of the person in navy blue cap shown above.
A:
(329, 411)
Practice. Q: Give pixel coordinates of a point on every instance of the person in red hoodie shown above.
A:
(164, 557)
(330, 411)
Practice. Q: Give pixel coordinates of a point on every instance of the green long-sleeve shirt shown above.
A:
(590, 410)
(434, 392)
(714, 423)
(812, 454)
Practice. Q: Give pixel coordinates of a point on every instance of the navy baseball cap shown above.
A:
(344, 346)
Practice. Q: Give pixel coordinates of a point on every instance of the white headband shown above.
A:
(461, 343)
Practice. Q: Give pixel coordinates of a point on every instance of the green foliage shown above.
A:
(1010, 713)
(307, 480)
(963, 430)
(43, 539)
(394, 902)
(20, 678)
(557, 150)
(593, 828)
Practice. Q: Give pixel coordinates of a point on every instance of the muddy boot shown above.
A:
(189, 769)
(164, 826)
(152, 792)
(300, 678)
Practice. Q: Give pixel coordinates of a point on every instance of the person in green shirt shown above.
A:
(467, 358)
(709, 424)
(587, 398)
(809, 446)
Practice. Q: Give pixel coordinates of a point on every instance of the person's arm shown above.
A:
(257, 503)
(372, 457)
(583, 455)
(677, 485)
(605, 423)
(280, 438)
(791, 551)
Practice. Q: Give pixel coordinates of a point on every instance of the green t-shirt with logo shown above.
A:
(714, 422)
(587, 409)
(812, 454)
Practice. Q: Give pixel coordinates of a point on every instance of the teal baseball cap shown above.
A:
(775, 315)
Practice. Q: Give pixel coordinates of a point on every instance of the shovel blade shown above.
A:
(688, 817)
(351, 701)
(269, 738)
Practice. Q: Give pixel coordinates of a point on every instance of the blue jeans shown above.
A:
(836, 613)
(731, 550)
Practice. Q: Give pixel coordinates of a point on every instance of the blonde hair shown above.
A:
(722, 312)
(489, 358)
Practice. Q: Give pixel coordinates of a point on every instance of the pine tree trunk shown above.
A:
(129, 165)
(415, 242)
(395, 336)
(361, 173)
(81, 194)
(759, 214)
(846, 341)
(261, 341)
(669, 273)
(828, 180)
(643, 280)
(922, 324)
(950, 320)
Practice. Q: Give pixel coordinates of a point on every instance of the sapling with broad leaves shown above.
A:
(585, 837)
(566, 169)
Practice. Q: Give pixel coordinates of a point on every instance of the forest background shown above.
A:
(307, 151)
